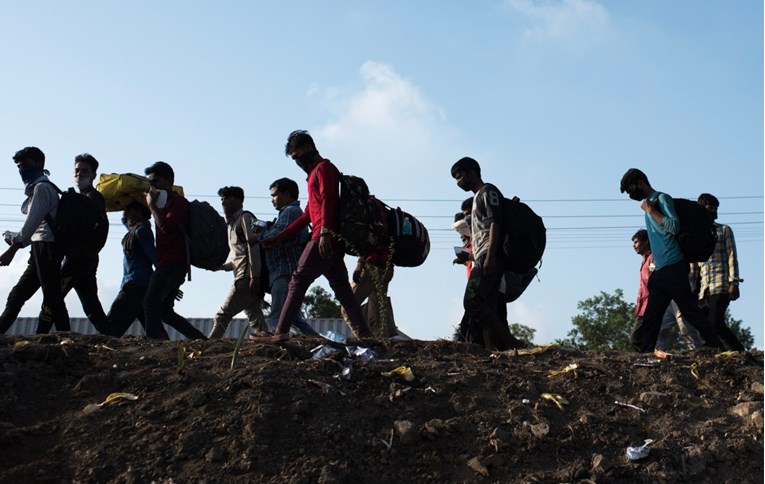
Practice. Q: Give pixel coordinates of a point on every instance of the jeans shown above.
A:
(159, 301)
(481, 309)
(667, 284)
(237, 300)
(79, 273)
(713, 306)
(43, 271)
(279, 290)
(126, 308)
(310, 267)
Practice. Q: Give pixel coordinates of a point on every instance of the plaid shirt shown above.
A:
(721, 270)
(282, 260)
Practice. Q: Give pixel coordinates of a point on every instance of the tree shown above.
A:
(318, 303)
(523, 332)
(604, 324)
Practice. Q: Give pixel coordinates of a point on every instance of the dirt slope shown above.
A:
(280, 416)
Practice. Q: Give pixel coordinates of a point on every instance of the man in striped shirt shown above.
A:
(719, 277)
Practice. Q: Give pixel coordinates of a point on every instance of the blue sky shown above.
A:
(555, 99)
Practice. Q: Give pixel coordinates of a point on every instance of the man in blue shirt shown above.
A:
(669, 279)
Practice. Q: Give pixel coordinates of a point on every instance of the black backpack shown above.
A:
(524, 236)
(697, 235)
(207, 237)
(411, 243)
(361, 227)
(80, 226)
(265, 280)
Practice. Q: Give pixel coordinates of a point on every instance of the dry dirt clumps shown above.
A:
(461, 415)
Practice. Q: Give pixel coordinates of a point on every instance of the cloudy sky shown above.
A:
(555, 99)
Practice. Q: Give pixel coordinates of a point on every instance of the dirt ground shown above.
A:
(467, 415)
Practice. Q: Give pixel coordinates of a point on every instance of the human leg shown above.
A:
(717, 304)
(85, 285)
(175, 276)
(126, 307)
(309, 268)
(24, 289)
(680, 292)
(153, 304)
(337, 276)
(48, 263)
(231, 307)
(480, 303)
(668, 321)
(658, 301)
(689, 334)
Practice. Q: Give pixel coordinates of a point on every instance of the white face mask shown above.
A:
(82, 183)
(462, 227)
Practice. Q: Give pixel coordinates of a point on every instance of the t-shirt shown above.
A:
(487, 208)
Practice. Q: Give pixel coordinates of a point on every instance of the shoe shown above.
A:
(662, 355)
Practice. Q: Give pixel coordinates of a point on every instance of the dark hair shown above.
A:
(235, 192)
(88, 159)
(465, 165)
(141, 209)
(467, 204)
(708, 199)
(29, 153)
(641, 235)
(286, 185)
(458, 216)
(298, 139)
(632, 176)
(162, 169)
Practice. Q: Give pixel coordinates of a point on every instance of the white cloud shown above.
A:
(568, 20)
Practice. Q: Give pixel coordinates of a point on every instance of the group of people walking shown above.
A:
(284, 258)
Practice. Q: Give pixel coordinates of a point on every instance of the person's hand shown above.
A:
(356, 277)
(151, 198)
(254, 286)
(733, 292)
(178, 295)
(649, 206)
(8, 255)
(326, 250)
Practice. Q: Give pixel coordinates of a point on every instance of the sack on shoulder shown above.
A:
(121, 189)
(80, 226)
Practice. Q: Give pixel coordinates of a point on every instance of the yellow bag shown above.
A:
(120, 190)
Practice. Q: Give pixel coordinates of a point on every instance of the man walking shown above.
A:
(245, 294)
(44, 266)
(322, 254)
(669, 279)
(171, 215)
(719, 277)
(282, 259)
(79, 272)
(482, 291)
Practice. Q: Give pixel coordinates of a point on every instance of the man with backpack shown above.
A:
(171, 217)
(322, 254)
(282, 259)
(245, 294)
(482, 290)
(44, 266)
(669, 279)
(79, 270)
(718, 276)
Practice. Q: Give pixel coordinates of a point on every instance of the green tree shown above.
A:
(318, 303)
(523, 332)
(604, 323)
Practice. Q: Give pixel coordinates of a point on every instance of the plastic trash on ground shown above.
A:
(364, 354)
(334, 336)
(322, 351)
(403, 371)
(641, 451)
(112, 398)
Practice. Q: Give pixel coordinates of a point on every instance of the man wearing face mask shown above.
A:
(79, 272)
(322, 254)
(669, 279)
(44, 266)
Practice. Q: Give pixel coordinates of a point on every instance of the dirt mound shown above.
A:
(280, 416)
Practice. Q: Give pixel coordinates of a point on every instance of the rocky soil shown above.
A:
(464, 414)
